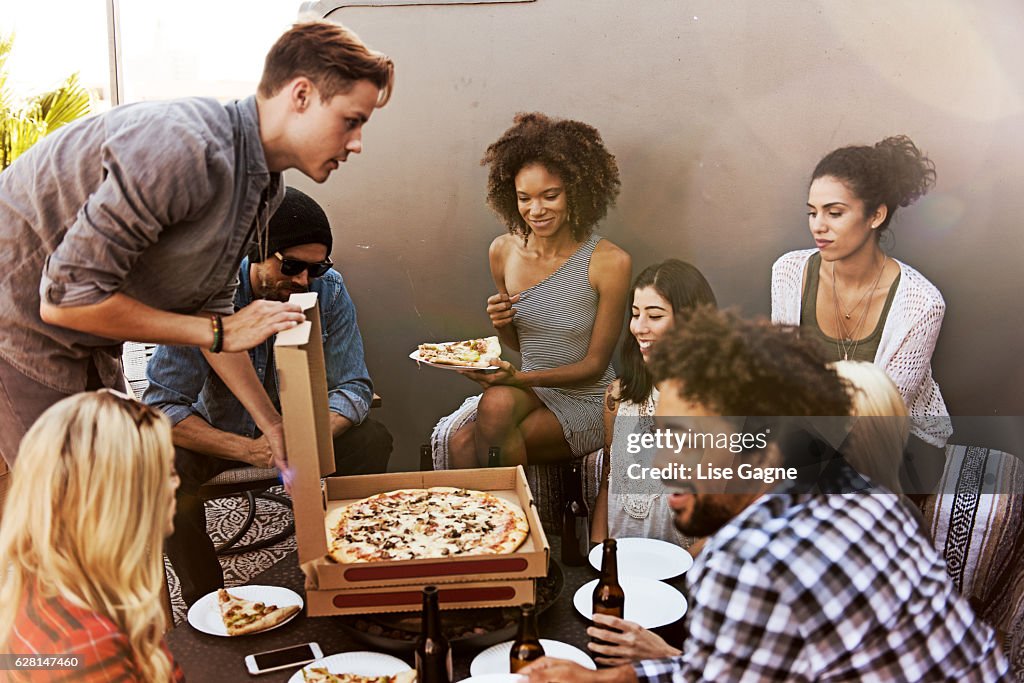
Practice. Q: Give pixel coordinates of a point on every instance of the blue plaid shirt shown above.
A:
(181, 383)
(827, 587)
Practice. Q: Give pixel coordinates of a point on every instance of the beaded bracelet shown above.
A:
(218, 333)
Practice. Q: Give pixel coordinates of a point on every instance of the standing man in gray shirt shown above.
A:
(131, 225)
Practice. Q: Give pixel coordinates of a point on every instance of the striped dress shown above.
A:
(554, 320)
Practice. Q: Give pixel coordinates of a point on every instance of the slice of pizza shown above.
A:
(241, 616)
(319, 674)
(471, 353)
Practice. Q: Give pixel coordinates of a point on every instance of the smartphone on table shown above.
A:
(284, 658)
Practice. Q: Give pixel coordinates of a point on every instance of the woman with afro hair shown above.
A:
(561, 295)
(858, 303)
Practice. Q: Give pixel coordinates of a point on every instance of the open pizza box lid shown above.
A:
(304, 409)
(302, 381)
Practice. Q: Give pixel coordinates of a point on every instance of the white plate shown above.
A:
(204, 615)
(648, 558)
(360, 663)
(495, 678)
(649, 603)
(494, 659)
(415, 355)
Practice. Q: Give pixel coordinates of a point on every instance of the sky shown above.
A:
(170, 49)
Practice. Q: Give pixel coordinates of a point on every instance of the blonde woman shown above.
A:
(879, 433)
(81, 543)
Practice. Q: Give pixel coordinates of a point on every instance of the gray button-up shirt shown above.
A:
(157, 200)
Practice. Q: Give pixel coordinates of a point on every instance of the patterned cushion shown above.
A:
(977, 523)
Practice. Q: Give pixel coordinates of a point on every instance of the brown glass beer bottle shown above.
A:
(526, 647)
(609, 598)
(575, 521)
(433, 654)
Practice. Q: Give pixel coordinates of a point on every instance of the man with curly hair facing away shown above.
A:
(561, 296)
(796, 582)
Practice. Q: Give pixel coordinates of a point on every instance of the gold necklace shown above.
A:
(847, 343)
(839, 300)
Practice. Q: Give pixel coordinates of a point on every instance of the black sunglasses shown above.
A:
(293, 266)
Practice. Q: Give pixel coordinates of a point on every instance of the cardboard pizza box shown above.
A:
(304, 408)
(379, 599)
(530, 560)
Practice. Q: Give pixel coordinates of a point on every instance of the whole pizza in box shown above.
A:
(412, 524)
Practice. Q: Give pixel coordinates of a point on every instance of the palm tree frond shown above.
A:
(24, 132)
(6, 43)
(62, 106)
(19, 130)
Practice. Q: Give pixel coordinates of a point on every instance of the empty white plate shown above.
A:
(647, 558)
(359, 663)
(649, 603)
(495, 660)
(495, 678)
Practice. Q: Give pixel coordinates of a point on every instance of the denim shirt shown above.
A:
(181, 383)
(155, 200)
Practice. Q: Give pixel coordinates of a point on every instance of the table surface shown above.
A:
(211, 658)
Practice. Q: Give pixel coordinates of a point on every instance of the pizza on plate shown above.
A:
(319, 674)
(241, 616)
(412, 524)
(472, 353)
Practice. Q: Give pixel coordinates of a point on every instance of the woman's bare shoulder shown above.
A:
(608, 250)
(501, 247)
(610, 261)
(503, 242)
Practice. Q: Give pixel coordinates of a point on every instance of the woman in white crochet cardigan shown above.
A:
(859, 303)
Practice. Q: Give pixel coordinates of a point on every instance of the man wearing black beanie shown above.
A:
(213, 432)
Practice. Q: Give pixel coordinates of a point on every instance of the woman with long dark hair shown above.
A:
(625, 507)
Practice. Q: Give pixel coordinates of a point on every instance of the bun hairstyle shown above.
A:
(893, 173)
(571, 150)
